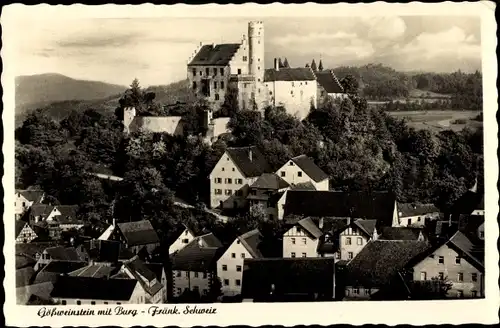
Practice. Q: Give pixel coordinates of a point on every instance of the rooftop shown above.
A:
(54, 269)
(251, 240)
(399, 233)
(249, 160)
(194, 257)
(138, 233)
(329, 81)
(87, 288)
(269, 181)
(215, 55)
(289, 74)
(94, 271)
(416, 209)
(310, 168)
(34, 196)
(63, 253)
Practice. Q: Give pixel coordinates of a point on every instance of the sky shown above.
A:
(156, 50)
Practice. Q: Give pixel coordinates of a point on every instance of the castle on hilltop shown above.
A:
(214, 69)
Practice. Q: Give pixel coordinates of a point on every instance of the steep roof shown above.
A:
(415, 209)
(310, 227)
(329, 81)
(474, 253)
(310, 168)
(42, 210)
(43, 290)
(194, 257)
(137, 265)
(368, 226)
(290, 276)
(215, 55)
(376, 205)
(94, 271)
(63, 253)
(303, 186)
(269, 181)
(249, 160)
(289, 74)
(54, 269)
(399, 233)
(251, 241)
(209, 240)
(34, 196)
(68, 211)
(379, 261)
(138, 233)
(93, 288)
(19, 227)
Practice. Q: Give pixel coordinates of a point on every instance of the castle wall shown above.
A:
(295, 96)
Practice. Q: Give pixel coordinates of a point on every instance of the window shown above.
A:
(224, 267)
(238, 268)
(304, 255)
(63, 302)
(348, 241)
(239, 71)
(460, 277)
(105, 302)
(218, 191)
(293, 254)
(355, 291)
(179, 290)
(229, 181)
(473, 276)
(239, 181)
(359, 241)
(194, 71)
(291, 92)
(229, 192)
(205, 275)
(298, 229)
(474, 293)
(258, 90)
(245, 58)
(215, 71)
(258, 67)
(185, 241)
(233, 255)
(201, 73)
(223, 169)
(293, 84)
(441, 275)
(238, 282)
(207, 70)
(226, 282)
(304, 241)
(409, 221)
(242, 255)
(423, 275)
(350, 255)
(216, 96)
(215, 85)
(194, 85)
(457, 260)
(92, 303)
(460, 293)
(222, 71)
(306, 82)
(283, 173)
(418, 219)
(218, 180)
(441, 260)
(78, 302)
(222, 84)
(196, 274)
(299, 174)
(367, 291)
(119, 303)
(187, 274)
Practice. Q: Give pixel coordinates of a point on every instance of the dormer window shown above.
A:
(291, 163)
(245, 58)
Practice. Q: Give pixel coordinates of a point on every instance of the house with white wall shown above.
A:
(194, 267)
(266, 192)
(416, 214)
(230, 264)
(24, 199)
(182, 237)
(136, 269)
(24, 233)
(231, 177)
(302, 169)
(301, 239)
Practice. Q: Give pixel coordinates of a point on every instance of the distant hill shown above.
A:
(36, 91)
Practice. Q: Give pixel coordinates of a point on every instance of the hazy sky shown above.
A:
(156, 50)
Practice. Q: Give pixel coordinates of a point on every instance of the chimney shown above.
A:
(276, 66)
(114, 222)
(250, 154)
(349, 221)
(375, 234)
(321, 223)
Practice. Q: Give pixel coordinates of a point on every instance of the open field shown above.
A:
(438, 120)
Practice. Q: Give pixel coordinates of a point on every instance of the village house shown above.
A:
(137, 236)
(329, 242)
(375, 271)
(24, 199)
(55, 268)
(301, 239)
(236, 170)
(161, 275)
(181, 238)
(266, 192)
(302, 169)
(230, 264)
(172, 125)
(416, 215)
(194, 267)
(328, 85)
(281, 196)
(42, 212)
(458, 261)
(24, 233)
(354, 238)
(60, 253)
(288, 279)
(70, 290)
(399, 233)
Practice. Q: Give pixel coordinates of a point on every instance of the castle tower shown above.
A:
(256, 49)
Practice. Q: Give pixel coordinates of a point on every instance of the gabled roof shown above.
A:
(290, 276)
(103, 250)
(215, 55)
(251, 241)
(54, 269)
(94, 271)
(375, 206)
(310, 168)
(310, 227)
(137, 265)
(249, 160)
(19, 227)
(303, 186)
(93, 288)
(138, 233)
(367, 226)
(42, 210)
(63, 253)
(399, 233)
(415, 209)
(34, 196)
(289, 74)
(194, 257)
(269, 181)
(329, 81)
(379, 261)
(107, 233)
(68, 211)
(474, 253)
(209, 240)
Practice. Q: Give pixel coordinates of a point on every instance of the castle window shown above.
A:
(201, 73)
(293, 84)
(222, 71)
(216, 96)
(194, 85)
(244, 58)
(194, 71)
(291, 92)
(215, 84)
(258, 67)
(258, 90)
(239, 71)
(207, 70)
(258, 80)
(222, 84)
(215, 71)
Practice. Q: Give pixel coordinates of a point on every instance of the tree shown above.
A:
(350, 84)
(215, 289)
(430, 289)
(230, 106)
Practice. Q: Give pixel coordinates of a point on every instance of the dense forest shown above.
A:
(359, 147)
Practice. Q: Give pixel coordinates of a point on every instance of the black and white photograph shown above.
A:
(185, 162)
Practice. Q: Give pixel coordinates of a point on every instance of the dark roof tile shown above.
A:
(194, 257)
(139, 233)
(93, 288)
(269, 181)
(329, 81)
(24, 276)
(399, 233)
(310, 168)
(34, 196)
(250, 160)
(215, 55)
(62, 253)
(289, 74)
(416, 209)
